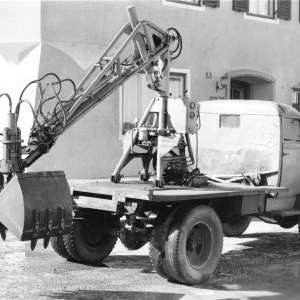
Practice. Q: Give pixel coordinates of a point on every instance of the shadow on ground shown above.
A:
(263, 266)
(261, 262)
(116, 295)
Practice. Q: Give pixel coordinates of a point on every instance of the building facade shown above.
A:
(248, 48)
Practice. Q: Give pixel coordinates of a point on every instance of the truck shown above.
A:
(207, 167)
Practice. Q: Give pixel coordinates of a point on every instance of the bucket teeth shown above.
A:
(49, 220)
(61, 218)
(33, 243)
(35, 228)
(61, 225)
(3, 235)
(46, 242)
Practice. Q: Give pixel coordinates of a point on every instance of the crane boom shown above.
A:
(43, 199)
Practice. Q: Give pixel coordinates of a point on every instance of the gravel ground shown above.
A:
(264, 263)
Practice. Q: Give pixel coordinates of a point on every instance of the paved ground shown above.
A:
(263, 264)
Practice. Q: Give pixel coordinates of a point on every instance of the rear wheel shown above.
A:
(88, 243)
(236, 226)
(60, 248)
(194, 244)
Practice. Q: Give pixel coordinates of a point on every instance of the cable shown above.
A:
(60, 103)
(125, 61)
(9, 100)
(33, 113)
(63, 111)
(38, 80)
(65, 101)
(60, 121)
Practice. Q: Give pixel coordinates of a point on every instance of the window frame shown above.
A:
(263, 16)
(185, 5)
(296, 93)
(184, 72)
(224, 121)
(200, 4)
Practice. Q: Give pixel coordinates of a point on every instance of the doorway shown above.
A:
(250, 85)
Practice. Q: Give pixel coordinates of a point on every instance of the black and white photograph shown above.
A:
(150, 149)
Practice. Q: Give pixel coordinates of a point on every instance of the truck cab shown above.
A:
(257, 138)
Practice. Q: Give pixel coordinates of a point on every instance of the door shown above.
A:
(237, 91)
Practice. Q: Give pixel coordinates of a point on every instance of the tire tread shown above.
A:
(61, 249)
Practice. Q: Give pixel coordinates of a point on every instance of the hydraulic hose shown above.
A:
(9, 100)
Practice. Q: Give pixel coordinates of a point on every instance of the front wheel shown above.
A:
(194, 244)
(157, 241)
(237, 226)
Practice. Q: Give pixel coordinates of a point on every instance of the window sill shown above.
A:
(260, 19)
(182, 5)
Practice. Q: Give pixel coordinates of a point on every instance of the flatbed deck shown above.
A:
(144, 191)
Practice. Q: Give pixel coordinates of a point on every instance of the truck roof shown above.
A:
(248, 107)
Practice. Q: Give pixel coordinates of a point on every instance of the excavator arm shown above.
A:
(39, 205)
(108, 73)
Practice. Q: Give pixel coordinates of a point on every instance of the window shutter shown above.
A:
(284, 9)
(212, 3)
(240, 5)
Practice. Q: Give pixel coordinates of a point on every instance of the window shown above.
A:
(212, 3)
(189, 2)
(135, 96)
(262, 8)
(229, 121)
(296, 97)
(266, 9)
(186, 4)
(291, 129)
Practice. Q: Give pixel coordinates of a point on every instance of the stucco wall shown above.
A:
(68, 37)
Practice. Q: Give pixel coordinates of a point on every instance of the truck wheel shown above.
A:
(88, 244)
(236, 226)
(194, 244)
(60, 249)
(157, 241)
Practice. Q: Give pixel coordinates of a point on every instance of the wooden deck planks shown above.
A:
(144, 190)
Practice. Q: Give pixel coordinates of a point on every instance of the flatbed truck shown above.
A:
(214, 165)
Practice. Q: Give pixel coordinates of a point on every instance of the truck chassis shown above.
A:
(182, 224)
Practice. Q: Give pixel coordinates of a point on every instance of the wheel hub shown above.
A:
(199, 245)
(92, 236)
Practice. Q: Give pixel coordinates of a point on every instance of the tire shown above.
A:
(159, 263)
(194, 244)
(87, 244)
(236, 227)
(61, 249)
(157, 242)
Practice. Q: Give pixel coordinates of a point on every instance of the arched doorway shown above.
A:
(250, 85)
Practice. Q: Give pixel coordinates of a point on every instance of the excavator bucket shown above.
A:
(37, 205)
